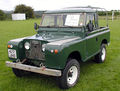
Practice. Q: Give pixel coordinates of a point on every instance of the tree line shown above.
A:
(19, 9)
(116, 13)
(30, 12)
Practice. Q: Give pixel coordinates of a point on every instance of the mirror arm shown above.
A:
(36, 26)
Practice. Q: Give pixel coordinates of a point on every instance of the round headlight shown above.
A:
(43, 47)
(27, 45)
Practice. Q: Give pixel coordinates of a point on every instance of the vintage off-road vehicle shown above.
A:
(64, 38)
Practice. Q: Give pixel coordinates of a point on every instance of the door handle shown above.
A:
(96, 39)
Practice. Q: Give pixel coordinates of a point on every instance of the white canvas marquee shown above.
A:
(19, 16)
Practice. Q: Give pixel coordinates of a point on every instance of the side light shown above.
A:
(10, 46)
(52, 51)
(55, 51)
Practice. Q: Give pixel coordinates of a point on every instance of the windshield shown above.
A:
(63, 20)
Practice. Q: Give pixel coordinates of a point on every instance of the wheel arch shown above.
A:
(104, 41)
(75, 55)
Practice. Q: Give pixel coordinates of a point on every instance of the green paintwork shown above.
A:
(86, 44)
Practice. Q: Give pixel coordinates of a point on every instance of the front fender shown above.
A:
(19, 47)
(58, 61)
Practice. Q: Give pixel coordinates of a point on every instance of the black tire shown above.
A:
(100, 57)
(63, 80)
(17, 72)
(20, 73)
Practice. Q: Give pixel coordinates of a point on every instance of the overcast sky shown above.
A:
(57, 4)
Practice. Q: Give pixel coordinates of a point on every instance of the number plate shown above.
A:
(12, 53)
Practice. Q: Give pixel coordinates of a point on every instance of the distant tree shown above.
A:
(109, 13)
(2, 15)
(101, 13)
(117, 12)
(25, 9)
(38, 14)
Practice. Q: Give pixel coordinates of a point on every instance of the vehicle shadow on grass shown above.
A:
(34, 82)
(85, 66)
(43, 82)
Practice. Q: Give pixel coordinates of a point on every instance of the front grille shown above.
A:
(35, 51)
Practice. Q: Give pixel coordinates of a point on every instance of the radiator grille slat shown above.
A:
(35, 51)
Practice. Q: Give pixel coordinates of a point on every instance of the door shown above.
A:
(91, 39)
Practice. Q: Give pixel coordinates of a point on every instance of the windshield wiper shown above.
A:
(52, 26)
(69, 26)
(46, 26)
(58, 26)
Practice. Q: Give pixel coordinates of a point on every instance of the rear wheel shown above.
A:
(100, 57)
(70, 74)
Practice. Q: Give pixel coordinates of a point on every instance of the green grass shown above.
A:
(94, 77)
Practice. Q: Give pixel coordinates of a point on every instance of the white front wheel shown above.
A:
(70, 74)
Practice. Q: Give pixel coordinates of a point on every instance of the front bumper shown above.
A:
(41, 70)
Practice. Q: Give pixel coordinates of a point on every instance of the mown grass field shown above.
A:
(94, 77)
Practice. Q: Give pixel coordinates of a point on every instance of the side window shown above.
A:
(82, 19)
(59, 20)
(90, 18)
(49, 19)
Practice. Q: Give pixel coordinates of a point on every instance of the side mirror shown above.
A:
(36, 26)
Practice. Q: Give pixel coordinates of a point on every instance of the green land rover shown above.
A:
(63, 39)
